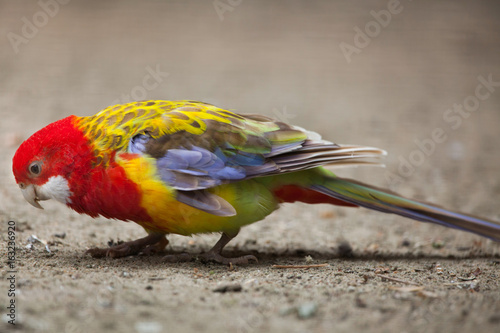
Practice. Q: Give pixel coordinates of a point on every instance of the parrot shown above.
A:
(189, 167)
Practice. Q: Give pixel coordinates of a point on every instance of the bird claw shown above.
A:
(150, 244)
(156, 247)
(117, 251)
(97, 252)
(154, 243)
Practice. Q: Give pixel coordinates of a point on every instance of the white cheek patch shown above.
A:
(56, 188)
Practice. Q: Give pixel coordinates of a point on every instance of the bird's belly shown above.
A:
(251, 199)
(252, 202)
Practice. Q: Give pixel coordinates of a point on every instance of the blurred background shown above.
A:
(345, 69)
(382, 73)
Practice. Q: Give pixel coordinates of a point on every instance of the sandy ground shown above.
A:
(282, 59)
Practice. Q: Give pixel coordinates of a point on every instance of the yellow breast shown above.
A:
(252, 201)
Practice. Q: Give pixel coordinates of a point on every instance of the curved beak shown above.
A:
(29, 194)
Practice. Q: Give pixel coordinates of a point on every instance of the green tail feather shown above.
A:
(373, 198)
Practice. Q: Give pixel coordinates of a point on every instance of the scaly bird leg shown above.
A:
(152, 243)
(214, 254)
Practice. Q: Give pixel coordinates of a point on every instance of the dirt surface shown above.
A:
(283, 59)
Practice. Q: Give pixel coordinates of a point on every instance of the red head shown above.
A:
(44, 163)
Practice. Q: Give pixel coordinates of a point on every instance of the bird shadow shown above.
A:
(267, 258)
(300, 254)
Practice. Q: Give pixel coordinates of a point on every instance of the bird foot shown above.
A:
(150, 244)
(214, 254)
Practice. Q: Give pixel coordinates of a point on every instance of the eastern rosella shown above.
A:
(187, 167)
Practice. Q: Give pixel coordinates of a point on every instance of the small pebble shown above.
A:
(345, 250)
(360, 303)
(307, 310)
(438, 244)
(148, 327)
(228, 288)
(405, 243)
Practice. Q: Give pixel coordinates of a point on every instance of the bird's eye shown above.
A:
(35, 168)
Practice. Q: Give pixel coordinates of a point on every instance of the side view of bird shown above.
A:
(187, 167)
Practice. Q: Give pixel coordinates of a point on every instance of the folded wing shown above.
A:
(206, 146)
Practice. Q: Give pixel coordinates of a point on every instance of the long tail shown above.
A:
(359, 194)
